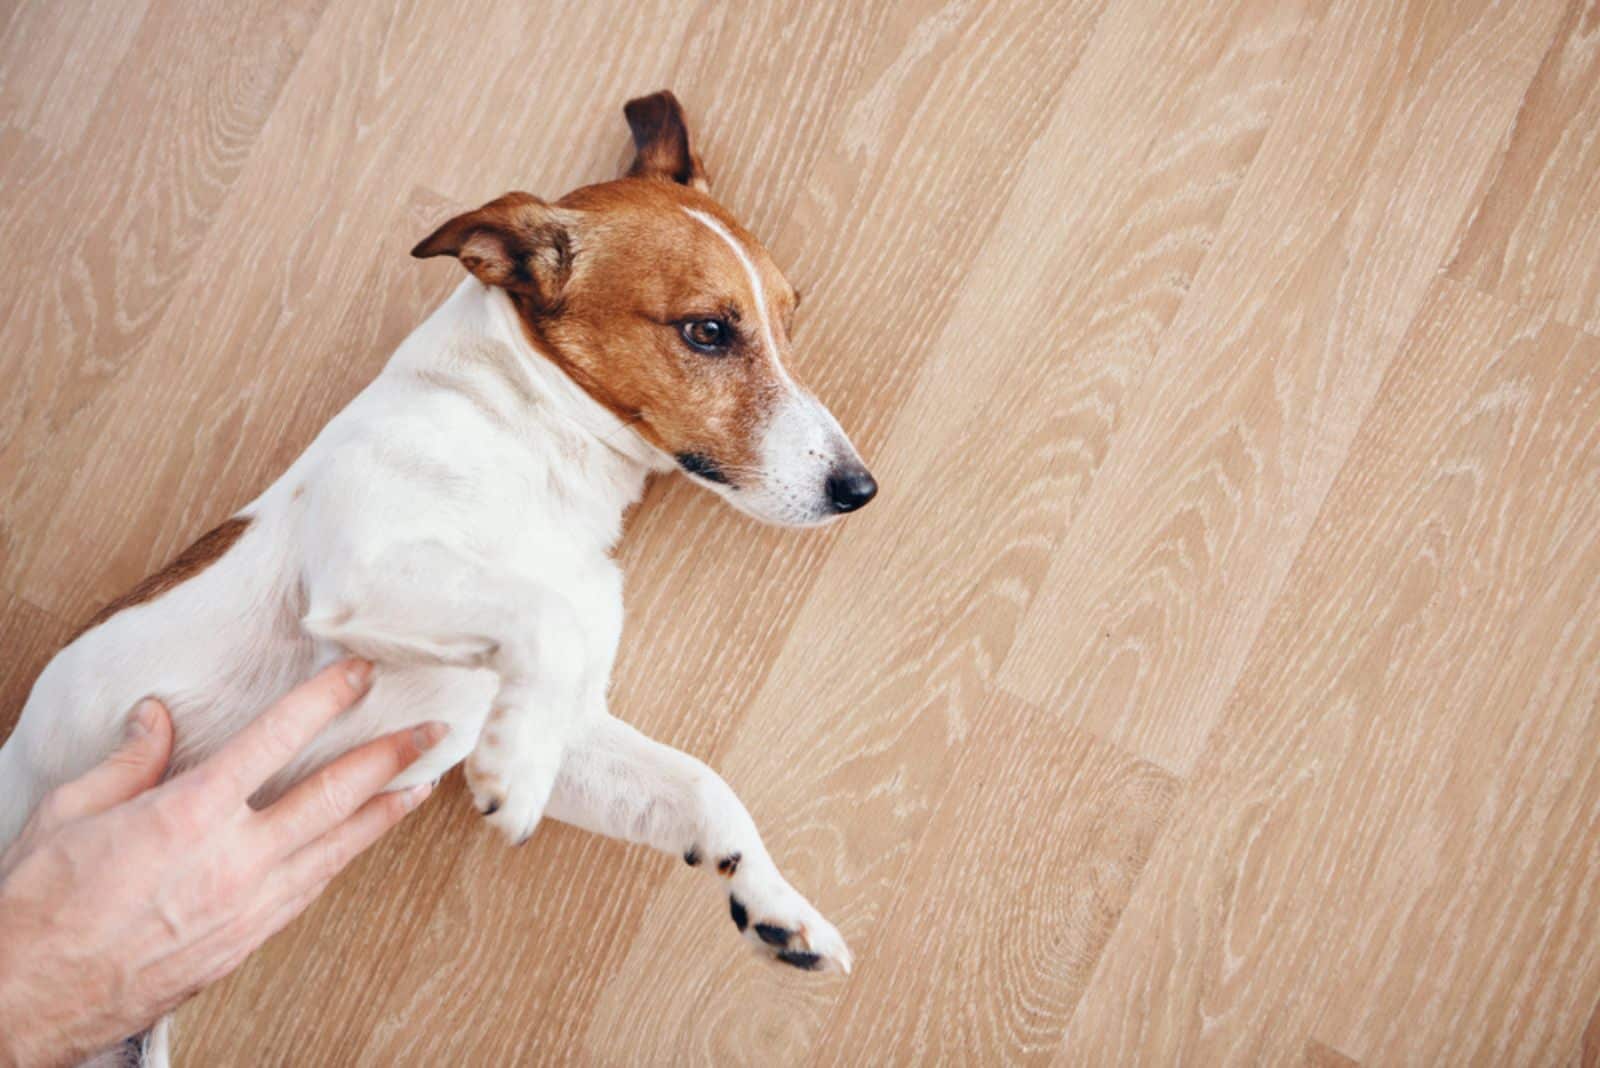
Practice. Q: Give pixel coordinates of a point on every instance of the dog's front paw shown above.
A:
(511, 783)
(778, 923)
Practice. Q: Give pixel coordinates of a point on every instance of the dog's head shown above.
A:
(655, 301)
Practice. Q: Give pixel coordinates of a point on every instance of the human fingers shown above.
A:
(272, 739)
(321, 802)
(318, 861)
(134, 767)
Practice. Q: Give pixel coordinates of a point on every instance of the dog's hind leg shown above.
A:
(424, 602)
(617, 782)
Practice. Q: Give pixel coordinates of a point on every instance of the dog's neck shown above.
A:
(475, 345)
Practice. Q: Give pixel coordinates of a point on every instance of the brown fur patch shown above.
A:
(642, 267)
(516, 241)
(207, 550)
(661, 141)
(606, 279)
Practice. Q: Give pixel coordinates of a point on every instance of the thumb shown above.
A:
(135, 766)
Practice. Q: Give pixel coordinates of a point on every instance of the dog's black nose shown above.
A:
(850, 487)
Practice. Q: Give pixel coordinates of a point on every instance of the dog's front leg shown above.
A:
(617, 782)
(428, 603)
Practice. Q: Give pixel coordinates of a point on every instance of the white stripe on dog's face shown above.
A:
(803, 450)
(757, 288)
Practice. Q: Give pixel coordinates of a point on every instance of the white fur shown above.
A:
(455, 523)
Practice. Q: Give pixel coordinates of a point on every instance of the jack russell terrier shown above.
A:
(455, 524)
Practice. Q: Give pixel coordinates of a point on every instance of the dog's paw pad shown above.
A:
(773, 935)
(780, 924)
(806, 962)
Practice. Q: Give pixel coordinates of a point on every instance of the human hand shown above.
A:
(121, 897)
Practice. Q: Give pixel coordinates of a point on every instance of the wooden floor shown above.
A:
(1216, 679)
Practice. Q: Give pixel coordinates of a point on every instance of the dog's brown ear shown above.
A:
(661, 141)
(517, 242)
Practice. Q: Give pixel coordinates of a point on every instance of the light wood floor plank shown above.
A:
(107, 226)
(762, 114)
(1588, 1054)
(1004, 906)
(29, 637)
(1535, 239)
(1322, 1056)
(56, 60)
(1156, 594)
(1430, 660)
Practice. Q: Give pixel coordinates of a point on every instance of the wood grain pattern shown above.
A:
(56, 61)
(1588, 1055)
(29, 637)
(1003, 906)
(1535, 238)
(1213, 681)
(105, 228)
(1156, 596)
(1321, 1056)
(1391, 841)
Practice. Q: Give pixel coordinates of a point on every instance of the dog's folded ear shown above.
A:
(661, 141)
(517, 242)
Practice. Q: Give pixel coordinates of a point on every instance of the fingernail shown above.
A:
(358, 673)
(142, 720)
(427, 735)
(417, 795)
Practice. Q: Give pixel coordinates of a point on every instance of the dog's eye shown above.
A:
(706, 335)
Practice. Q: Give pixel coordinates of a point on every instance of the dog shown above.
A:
(455, 524)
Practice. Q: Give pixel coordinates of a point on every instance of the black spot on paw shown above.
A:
(741, 918)
(773, 935)
(730, 863)
(806, 962)
(691, 857)
(491, 808)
